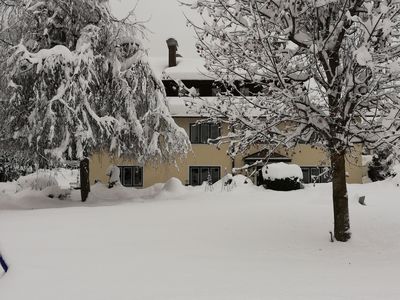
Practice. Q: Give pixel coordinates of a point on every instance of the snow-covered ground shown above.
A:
(174, 242)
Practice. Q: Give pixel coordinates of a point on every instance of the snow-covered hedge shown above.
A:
(282, 177)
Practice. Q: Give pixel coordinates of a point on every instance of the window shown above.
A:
(200, 133)
(317, 174)
(131, 176)
(197, 175)
(306, 175)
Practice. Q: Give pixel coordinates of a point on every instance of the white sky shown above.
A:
(165, 20)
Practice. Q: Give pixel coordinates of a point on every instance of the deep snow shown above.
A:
(174, 242)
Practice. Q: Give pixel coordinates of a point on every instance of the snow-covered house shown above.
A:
(206, 158)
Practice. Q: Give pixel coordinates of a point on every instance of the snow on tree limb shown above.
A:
(325, 70)
(79, 81)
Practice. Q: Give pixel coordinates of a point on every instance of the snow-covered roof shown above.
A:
(185, 69)
(186, 106)
(197, 107)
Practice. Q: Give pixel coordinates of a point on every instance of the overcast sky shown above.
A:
(165, 20)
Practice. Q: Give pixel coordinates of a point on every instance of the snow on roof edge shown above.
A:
(186, 69)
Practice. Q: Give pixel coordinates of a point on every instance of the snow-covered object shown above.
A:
(237, 180)
(55, 191)
(199, 107)
(173, 185)
(185, 69)
(37, 181)
(91, 86)
(241, 180)
(41, 179)
(281, 171)
(113, 172)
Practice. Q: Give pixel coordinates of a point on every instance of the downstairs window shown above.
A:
(131, 176)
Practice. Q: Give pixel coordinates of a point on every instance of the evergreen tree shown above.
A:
(78, 81)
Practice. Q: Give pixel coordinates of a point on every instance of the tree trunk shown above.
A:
(340, 198)
(84, 175)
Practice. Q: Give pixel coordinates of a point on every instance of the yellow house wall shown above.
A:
(307, 155)
(201, 155)
(310, 156)
(209, 155)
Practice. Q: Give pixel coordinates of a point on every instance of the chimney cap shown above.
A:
(171, 42)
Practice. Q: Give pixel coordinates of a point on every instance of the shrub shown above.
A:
(286, 184)
(37, 181)
(282, 177)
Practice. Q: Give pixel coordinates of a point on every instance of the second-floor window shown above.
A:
(200, 133)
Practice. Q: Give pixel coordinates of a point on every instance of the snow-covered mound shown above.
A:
(36, 190)
(233, 181)
(242, 180)
(42, 179)
(37, 181)
(173, 185)
(222, 180)
(281, 170)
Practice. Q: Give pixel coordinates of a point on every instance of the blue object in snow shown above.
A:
(3, 264)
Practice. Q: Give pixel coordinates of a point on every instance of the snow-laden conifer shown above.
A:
(78, 81)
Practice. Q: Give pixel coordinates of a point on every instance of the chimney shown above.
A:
(172, 47)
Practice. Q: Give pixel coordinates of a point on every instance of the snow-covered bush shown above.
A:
(37, 181)
(240, 180)
(113, 173)
(282, 177)
(55, 191)
(52, 183)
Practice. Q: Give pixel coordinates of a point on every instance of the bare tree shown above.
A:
(325, 70)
